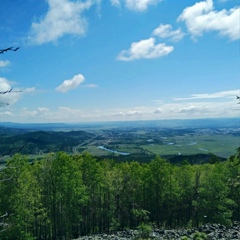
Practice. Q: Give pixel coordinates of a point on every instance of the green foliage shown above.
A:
(141, 215)
(63, 196)
(200, 236)
(185, 238)
(213, 201)
(144, 231)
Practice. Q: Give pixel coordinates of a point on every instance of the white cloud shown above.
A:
(204, 109)
(133, 112)
(135, 5)
(12, 95)
(9, 97)
(140, 5)
(193, 109)
(223, 94)
(63, 17)
(90, 86)
(145, 49)
(30, 90)
(165, 31)
(4, 63)
(6, 114)
(227, 107)
(116, 3)
(158, 110)
(28, 113)
(43, 109)
(4, 85)
(201, 17)
(67, 111)
(71, 83)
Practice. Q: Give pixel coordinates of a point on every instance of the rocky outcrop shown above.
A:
(207, 231)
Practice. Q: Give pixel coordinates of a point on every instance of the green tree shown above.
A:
(92, 177)
(233, 181)
(20, 198)
(158, 186)
(185, 179)
(213, 202)
(64, 195)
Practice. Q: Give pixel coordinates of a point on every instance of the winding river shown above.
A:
(113, 151)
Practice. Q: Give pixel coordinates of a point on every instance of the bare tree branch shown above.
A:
(9, 49)
(8, 91)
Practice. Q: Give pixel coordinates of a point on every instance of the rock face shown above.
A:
(207, 231)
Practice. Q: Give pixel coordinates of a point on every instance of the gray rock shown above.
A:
(213, 231)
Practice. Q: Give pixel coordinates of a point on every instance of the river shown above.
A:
(113, 151)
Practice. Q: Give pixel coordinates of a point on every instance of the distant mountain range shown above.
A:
(172, 123)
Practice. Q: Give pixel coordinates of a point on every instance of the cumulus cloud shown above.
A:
(71, 83)
(135, 5)
(4, 84)
(147, 49)
(9, 97)
(63, 17)
(201, 17)
(4, 63)
(165, 31)
(12, 95)
(223, 94)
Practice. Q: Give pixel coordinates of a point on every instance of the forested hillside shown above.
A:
(38, 142)
(64, 196)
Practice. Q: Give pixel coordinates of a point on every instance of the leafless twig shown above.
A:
(9, 49)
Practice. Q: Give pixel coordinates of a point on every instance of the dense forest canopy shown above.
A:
(64, 196)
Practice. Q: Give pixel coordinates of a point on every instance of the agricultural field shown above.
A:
(222, 143)
(122, 142)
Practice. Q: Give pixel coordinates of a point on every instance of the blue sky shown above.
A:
(119, 60)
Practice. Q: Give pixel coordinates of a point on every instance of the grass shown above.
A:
(218, 144)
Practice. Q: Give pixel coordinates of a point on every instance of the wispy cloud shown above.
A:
(201, 17)
(71, 83)
(135, 5)
(165, 31)
(223, 94)
(116, 3)
(6, 114)
(175, 110)
(30, 90)
(63, 17)
(4, 63)
(147, 49)
(90, 86)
